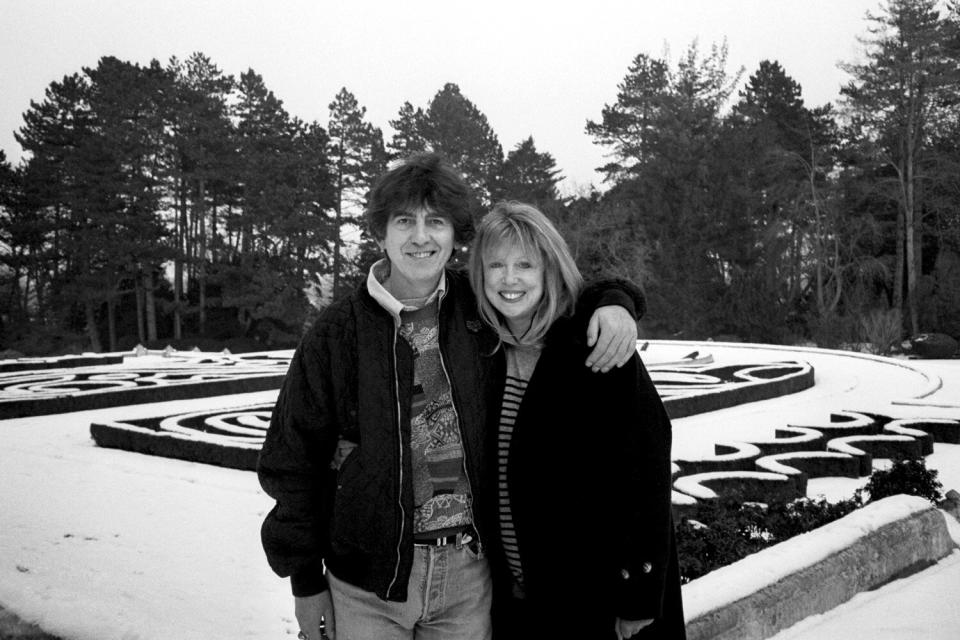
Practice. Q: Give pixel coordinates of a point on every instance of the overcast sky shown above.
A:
(540, 68)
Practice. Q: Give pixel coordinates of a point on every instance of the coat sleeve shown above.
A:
(642, 467)
(294, 469)
(612, 291)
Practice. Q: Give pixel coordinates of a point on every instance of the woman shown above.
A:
(583, 458)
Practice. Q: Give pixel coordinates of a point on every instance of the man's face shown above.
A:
(418, 244)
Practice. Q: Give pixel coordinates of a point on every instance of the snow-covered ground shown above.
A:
(104, 544)
(919, 607)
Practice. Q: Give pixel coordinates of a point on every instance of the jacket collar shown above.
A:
(378, 274)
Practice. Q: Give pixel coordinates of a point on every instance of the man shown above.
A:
(376, 451)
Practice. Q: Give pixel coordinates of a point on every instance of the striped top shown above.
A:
(520, 365)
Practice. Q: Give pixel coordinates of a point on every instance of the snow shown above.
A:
(105, 544)
(780, 561)
(100, 544)
(923, 605)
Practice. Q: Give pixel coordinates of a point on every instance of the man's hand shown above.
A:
(310, 610)
(628, 628)
(614, 332)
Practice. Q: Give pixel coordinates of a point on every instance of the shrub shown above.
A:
(718, 535)
(723, 531)
(832, 330)
(883, 329)
(788, 519)
(933, 345)
(906, 475)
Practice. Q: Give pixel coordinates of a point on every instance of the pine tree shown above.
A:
(357, 158)
(895, 98)
(51, 135)
(275, 234)
(407, 132)
(455, 128)
(123, 164)
(530, 176)
(667, 166)
(201, 163)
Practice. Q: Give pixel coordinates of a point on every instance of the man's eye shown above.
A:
(438, 222)
(494, 265)
(401, 220)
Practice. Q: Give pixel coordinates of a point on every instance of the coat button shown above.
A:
(647, 567)
(624, 574)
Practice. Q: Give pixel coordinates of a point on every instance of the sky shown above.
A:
(105, 544)
(533, 68)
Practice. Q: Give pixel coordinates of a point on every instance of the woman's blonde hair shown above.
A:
(524, 226)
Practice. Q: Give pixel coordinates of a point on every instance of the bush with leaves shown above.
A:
(883, 329)
(717, 535)
(723, 531)
(905, 475)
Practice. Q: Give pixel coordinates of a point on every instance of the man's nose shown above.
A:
(420, 232)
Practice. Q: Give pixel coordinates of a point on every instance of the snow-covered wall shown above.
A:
(770, 590)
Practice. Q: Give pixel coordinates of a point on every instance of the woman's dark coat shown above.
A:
(590, 487)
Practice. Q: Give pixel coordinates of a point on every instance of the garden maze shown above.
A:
(75, 384)
(754, 470)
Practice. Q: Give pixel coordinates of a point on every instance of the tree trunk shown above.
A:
(337, 241)
(92, 333)
(178, 265)
(908, 149)
(138, 292)
(202, 257)
(150, 306)
(899, 262)
(911, 264)
(112, 323)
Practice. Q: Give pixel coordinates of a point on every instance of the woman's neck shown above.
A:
(518, 329)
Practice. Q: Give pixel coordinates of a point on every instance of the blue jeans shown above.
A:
(448, 597)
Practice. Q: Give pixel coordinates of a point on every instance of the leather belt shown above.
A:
(461, 538)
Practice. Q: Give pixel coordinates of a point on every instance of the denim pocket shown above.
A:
(474, 550)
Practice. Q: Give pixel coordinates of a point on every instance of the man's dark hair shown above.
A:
(422, 180)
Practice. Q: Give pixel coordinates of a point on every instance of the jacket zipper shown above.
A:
(463, 439)
(403, 515)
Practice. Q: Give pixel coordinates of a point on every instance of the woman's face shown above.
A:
(513, 283)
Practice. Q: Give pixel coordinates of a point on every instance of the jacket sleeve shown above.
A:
(612, 291)
(294, 469)
(646, 544)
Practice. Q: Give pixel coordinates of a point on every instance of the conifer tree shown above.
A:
(357, 157)
(407, 132)
(895, 99)
(454, 127)
(201, 168)
(666, 166)
(530, 176)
